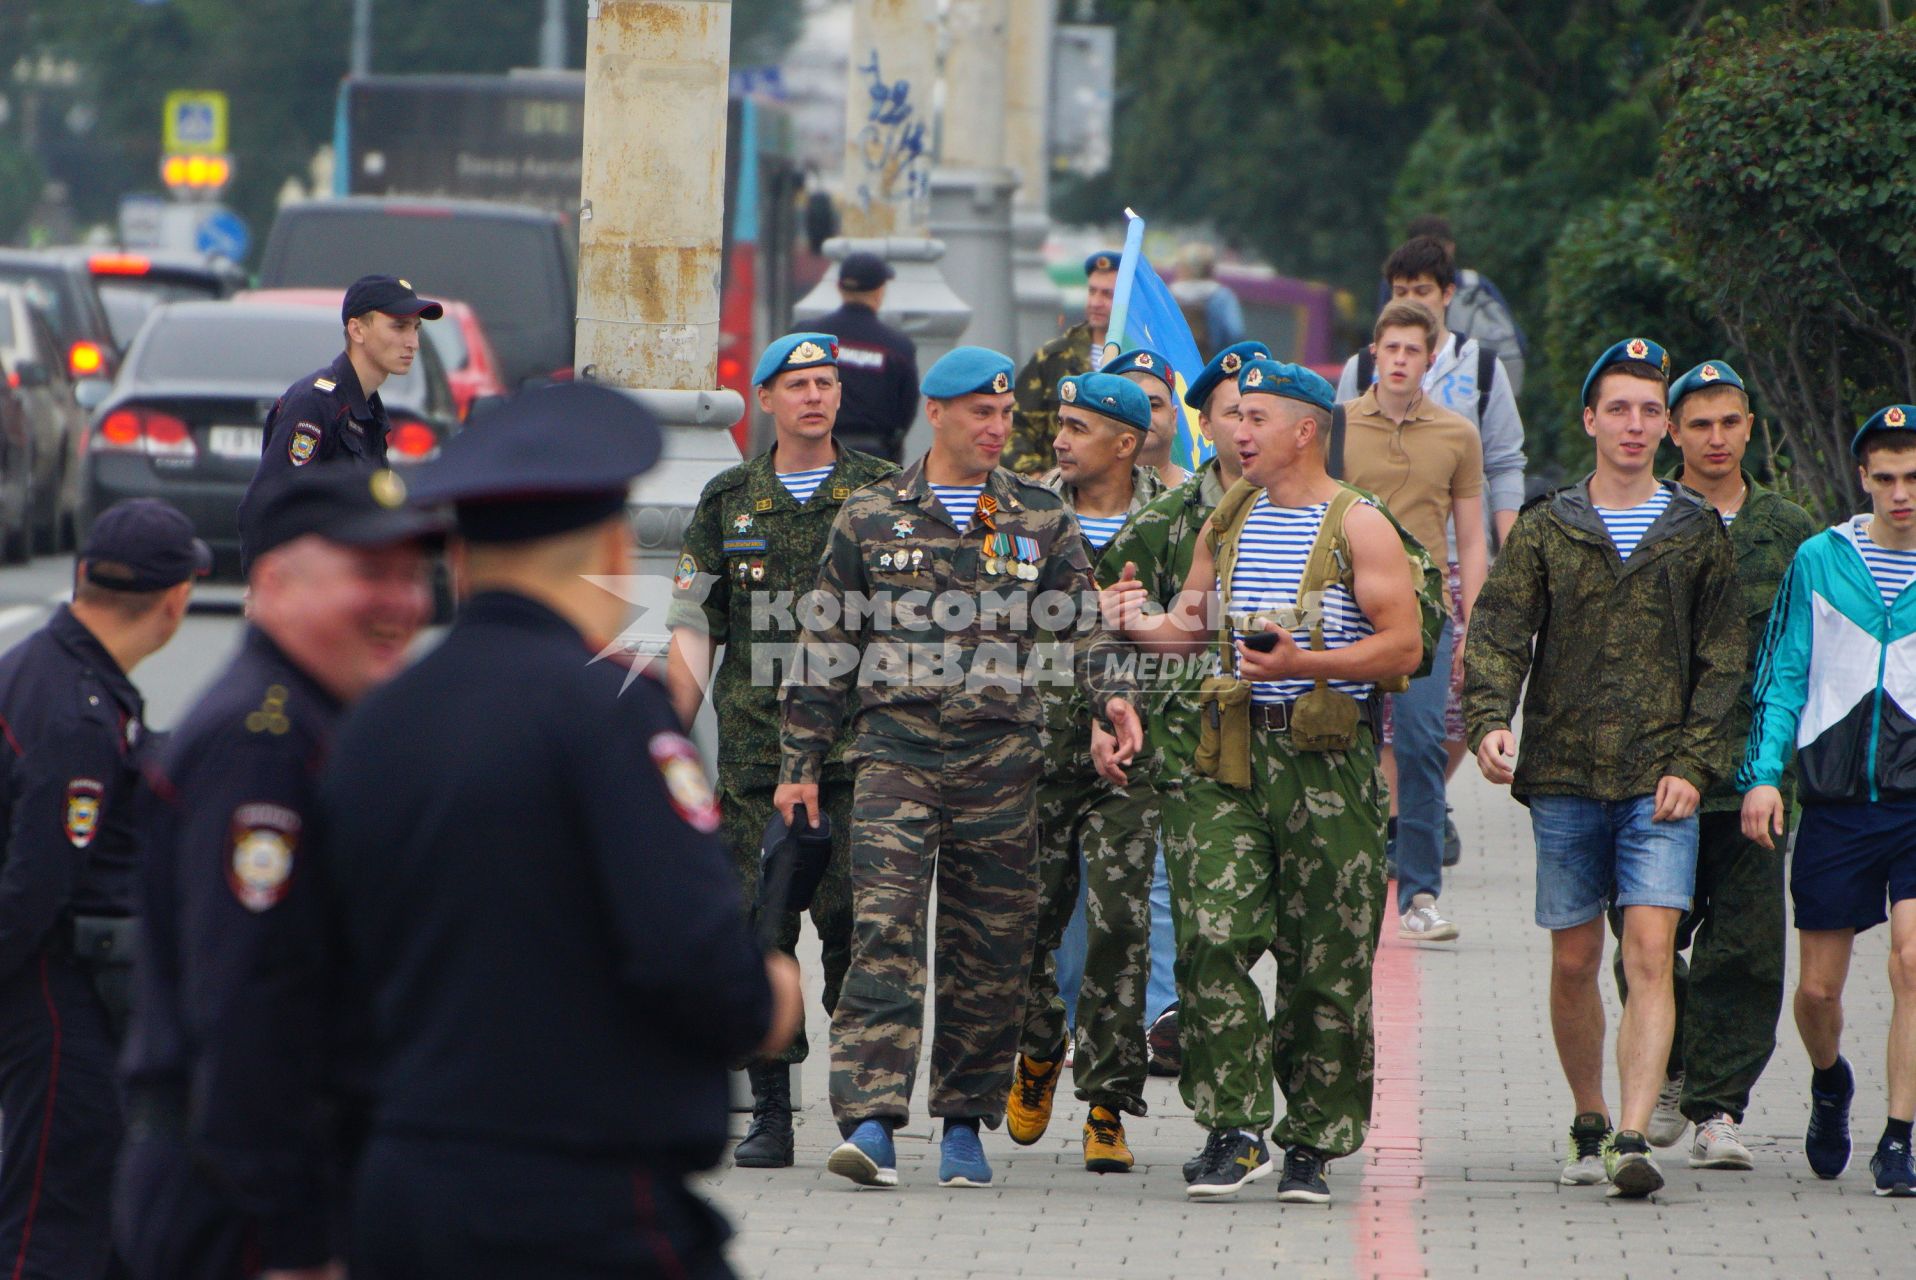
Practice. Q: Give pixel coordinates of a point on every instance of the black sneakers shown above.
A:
(1893, 1169)
(1167, 1057)
(1231, 1158)
(1827, 1144)
(1303, 1180)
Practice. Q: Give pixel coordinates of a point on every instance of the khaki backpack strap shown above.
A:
(1227, 523)
(1321, 568)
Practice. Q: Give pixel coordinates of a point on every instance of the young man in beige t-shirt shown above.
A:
(1426, 464)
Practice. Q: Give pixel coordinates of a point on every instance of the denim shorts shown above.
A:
(1592, 853)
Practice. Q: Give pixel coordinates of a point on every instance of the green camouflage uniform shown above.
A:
(749, 538)
(1034, 424)
(1117, 830)
(945, 738)
(1730, 993)
(1293, 866)
(1637, 662)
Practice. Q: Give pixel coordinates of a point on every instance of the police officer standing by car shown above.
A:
(232, 1163)
(877, 364)
(522, 861)
(73, 733)
(335, 412)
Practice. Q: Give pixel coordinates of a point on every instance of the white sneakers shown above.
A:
(1666, 1122)
(1423, 923)
(1719, 1146)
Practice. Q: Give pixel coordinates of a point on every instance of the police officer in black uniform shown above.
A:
(877, 364)
(232, 1158)
(334, 414)
(522, 860)
(71, 734)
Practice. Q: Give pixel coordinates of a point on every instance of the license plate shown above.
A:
(235, 442)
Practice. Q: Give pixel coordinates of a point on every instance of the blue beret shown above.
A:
(795, 351)
(1144, 360)
(1709, 374)
(1639, 350)
(1292, 381)
(965, 371)
(1225, 364)
(1102, 260)
(1119, 399)
(1896, 417)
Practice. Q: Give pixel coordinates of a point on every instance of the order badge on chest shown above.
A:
(1012, 555)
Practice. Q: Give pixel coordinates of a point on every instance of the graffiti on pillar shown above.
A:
(891, 146)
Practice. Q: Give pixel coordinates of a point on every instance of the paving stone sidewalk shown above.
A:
(1458, 1178)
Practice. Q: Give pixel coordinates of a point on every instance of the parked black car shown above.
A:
(47, 456)
(61, 285)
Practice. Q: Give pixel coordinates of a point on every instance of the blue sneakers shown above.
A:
(867, 1157)
(961, 1159)
(1827, 1142)
(1894, 1170)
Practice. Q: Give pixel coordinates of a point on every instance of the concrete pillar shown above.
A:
(971, 190)
(1028, 149)
(888, 158)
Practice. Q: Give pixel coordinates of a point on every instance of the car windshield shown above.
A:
(243, 344)
(130, 299)
(448, 341)
(42, 287)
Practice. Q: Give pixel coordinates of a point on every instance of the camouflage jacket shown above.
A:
(1637, 662)
(1161, 541)
(750, 541)
(1067, 718)
(1035, 421)
(1765, 535)
(922, 676)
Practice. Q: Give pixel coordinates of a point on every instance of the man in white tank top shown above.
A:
(1294, 865)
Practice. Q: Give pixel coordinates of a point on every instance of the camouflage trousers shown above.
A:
(1729, 994)
(1294, 866)
(968, 823)
(745, 807)
(1115, 831)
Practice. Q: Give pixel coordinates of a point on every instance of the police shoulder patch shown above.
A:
(263, 839)
(325, 384)
(685, 784)
(84, 796)
(303, 444)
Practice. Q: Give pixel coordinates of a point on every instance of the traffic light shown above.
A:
(199, 174)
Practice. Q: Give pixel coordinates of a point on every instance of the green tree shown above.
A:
(1788, 174)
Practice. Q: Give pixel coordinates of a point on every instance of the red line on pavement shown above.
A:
(1387, 1245)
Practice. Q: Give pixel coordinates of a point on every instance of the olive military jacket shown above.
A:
(1161, 541)
(932, 632)
(1034, 423)
(1637, 662)
(1765, 535)
(751, 543)
(1067, 726)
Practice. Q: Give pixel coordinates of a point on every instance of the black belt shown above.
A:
(1276, 716)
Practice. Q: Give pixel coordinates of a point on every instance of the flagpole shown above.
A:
(1121, 294)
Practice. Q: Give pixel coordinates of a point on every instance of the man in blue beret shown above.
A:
(946, 732)
(1158, 380)
(1614, 610)
(1103, 421)
(1289, 858)
(1833, 692)
(751, 549)
(1035, 422)
(1729, 993)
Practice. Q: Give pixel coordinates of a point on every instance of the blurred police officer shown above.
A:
(751, 551)
(877, 364)
(335, 413)
(523, 865)
(73, 734)
(231, 1165)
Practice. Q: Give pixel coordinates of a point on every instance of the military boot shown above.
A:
(768, 1143)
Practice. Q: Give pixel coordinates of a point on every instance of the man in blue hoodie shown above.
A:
(1836, 685)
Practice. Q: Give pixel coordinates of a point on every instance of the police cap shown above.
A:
(1705, 377)
(389, 294)
(1144, 360)
(966, 371)
(1292, 381)
(143, 544)
(795, 351)
(1895, 418)
(1629, 351)
(545, 461)
(863, 272)
(1118, 399)
(341, 503)
(1227, 363)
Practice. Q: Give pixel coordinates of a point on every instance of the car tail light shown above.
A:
(412, 441)
(86, 359)
(144, 431)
